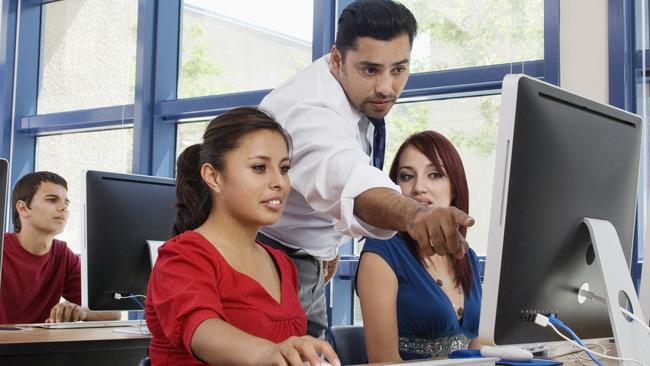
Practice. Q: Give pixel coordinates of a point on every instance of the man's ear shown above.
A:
(22, 208)
(336, 60)
(212, 177)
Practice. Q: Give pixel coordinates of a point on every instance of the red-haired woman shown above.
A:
(414, 305)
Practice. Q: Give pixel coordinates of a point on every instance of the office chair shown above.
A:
(349, 344)
(145, 362)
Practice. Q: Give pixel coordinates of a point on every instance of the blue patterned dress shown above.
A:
(426, 319)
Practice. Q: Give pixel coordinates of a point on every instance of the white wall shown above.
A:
(583, 48)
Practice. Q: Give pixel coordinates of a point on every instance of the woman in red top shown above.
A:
(215, 295)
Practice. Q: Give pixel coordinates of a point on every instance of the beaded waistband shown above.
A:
(433, 347)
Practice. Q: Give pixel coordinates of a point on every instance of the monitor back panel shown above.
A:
(570, 158)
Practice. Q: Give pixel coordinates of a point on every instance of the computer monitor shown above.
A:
(560, 158)
(122, 213)
(4, 187)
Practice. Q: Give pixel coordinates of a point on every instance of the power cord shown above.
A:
(133, 297)
(592, 296)
(552, 321)
(579, 358)
(142, 327)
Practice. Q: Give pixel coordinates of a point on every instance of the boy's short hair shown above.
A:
(26, 188)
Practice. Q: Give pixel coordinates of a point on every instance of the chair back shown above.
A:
(349, 343)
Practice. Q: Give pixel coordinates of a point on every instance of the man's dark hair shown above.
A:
(27, 186)
(378, 19)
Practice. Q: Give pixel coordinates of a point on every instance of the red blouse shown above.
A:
(192, 282)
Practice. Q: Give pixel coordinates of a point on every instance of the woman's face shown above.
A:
(255, 180)
(420, 180)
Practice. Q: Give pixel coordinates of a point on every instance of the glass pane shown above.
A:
(641, 24)
(189, 134)
(87, 54)
(465, 33)
(70, 155)
(233, 46)
(471, 125)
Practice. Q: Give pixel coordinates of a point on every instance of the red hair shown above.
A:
(442, 153)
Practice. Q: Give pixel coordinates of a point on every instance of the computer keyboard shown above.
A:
(88, 324)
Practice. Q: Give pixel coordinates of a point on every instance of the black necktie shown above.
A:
(378, 142)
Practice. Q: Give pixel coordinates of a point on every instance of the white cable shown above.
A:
(579, 356)
(592, 296)
(543, 321)
(119, 296)
(636, 318)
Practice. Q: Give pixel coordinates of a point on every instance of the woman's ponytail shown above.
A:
(193, 201)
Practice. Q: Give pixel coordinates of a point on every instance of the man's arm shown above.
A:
(435, 229)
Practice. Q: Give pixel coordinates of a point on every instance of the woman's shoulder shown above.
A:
(394, 242)
(187, 244)
(393, 250)
(472, 256)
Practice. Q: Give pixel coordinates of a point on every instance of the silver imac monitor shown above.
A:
(560, 158)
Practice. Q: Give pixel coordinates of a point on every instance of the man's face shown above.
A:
(48, 211)
(374, 74)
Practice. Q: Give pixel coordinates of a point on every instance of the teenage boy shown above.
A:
(37, 270)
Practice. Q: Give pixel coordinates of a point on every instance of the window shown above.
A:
(233, 46)
(471, 125)
(82, 65)
(70, 155)
(189, 134)
(467, 33)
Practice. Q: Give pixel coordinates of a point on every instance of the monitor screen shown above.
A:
(122, 213)
(4, 174)
(560, 158)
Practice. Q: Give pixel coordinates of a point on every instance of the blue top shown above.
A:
(426, 319)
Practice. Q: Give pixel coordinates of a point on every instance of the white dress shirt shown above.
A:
(330, 164)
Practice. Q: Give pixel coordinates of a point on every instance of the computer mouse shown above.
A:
(323, 363)
(507, 353)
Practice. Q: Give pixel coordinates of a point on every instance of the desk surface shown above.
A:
(40, 335)
(88, 346)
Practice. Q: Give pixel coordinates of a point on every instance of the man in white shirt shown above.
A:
(334, 112)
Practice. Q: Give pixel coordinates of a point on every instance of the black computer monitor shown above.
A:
(122, 212)
(4, 187)
(560, 158)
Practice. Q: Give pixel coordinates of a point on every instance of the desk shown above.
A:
(89, 346)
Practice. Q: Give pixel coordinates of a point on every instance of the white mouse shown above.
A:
(507, 353)
(323, 363)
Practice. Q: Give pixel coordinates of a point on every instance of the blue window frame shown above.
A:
(156, 109)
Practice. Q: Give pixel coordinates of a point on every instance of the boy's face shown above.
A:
(48, 211)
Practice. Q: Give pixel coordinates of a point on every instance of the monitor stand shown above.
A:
(632, 340)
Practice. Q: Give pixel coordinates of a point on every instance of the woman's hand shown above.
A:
(298, 351)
